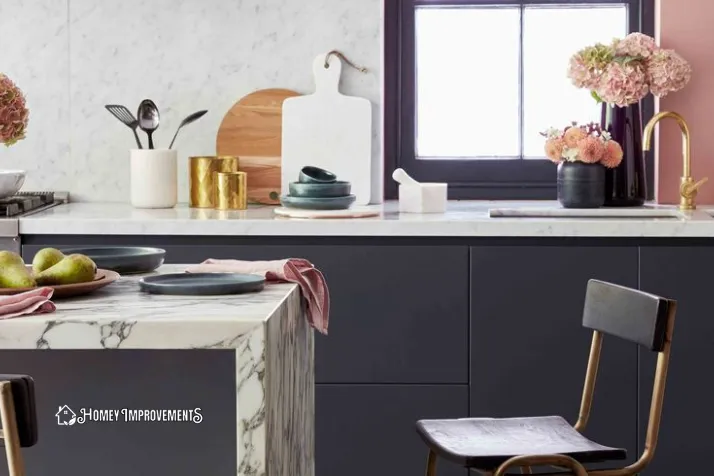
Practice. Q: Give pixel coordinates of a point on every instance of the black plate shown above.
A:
(122, 259)
(202, 284)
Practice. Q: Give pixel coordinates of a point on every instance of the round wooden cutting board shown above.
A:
(252, 130)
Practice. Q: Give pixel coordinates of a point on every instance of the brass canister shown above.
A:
(200, 177)
(230, 192)
(228, 163)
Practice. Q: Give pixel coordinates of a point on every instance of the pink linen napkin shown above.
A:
(36, 301)
(294, 270)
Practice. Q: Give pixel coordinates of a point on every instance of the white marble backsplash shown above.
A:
(71, 57)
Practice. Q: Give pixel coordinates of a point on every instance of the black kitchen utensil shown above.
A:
(127, 118)
(149, 118)
(192, 118)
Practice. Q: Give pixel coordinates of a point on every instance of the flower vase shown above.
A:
(626, 184)
(581, 185)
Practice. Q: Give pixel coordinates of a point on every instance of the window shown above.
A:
(470, 84)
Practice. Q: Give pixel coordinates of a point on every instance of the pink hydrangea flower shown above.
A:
(581, 75)
(635, 44)
(668, 72)
(613, 154)
(623, 84)
(14, 115)
(591, 150)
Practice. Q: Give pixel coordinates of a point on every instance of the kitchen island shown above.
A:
(435, 316)
(267, 332)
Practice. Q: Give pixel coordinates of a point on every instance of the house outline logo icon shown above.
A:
(65, 416)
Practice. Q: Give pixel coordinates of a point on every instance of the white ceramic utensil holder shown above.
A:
(154, 176)
(423, 198)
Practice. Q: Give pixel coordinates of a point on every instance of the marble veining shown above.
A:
(120, 316)
(267, 331)
(462, 219)
(73, 57)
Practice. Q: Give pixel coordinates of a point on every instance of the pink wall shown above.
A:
(687, 26)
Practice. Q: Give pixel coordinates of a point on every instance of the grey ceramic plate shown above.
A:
(305, 203)
(202, 284)
(122, 259)
(320, 190)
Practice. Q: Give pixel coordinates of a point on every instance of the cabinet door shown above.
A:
(685, 440)
(134, 380)
(399, 314)
(529, 351)
(370, 430)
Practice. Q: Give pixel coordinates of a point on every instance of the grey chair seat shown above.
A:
(489, 442)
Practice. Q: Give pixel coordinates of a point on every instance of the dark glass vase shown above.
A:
(581, 185)
(625, 185)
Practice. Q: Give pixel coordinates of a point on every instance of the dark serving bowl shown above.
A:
(310, 174)
(320, 190)
(122, 259)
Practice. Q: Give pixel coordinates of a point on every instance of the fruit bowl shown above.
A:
(102, 278)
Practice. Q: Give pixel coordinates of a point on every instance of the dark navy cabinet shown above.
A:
(529, 351)
(439, 328)
(685, 442)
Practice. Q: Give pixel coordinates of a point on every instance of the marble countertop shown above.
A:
(122, 316)
(462, 219)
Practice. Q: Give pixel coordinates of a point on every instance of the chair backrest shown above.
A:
(629, 314)
(643, 319)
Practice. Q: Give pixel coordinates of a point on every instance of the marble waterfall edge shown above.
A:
(275, 404)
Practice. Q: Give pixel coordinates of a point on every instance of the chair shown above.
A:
(493, 446)
(18, 416)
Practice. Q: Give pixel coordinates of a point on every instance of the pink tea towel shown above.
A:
(36, 301)
(294, 270)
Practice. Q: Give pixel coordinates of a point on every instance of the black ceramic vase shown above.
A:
(625, 185)
(581, 185)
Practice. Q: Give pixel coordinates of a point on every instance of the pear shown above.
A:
(8, 258)
(72, 269)
(16, 276)
(46, 258)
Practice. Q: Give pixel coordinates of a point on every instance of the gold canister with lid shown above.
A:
(230, 191)
(202, 172)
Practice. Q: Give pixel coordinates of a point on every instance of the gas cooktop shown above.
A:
(25, 202)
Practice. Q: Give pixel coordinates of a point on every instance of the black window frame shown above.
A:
(492, 179)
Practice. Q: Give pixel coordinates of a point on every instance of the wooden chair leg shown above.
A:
(431, 464)
(10, 436)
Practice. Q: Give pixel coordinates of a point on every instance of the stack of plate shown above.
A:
(318, 189)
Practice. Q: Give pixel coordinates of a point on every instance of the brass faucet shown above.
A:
(687, 188)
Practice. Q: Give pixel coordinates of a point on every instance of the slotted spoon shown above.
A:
(127, 118)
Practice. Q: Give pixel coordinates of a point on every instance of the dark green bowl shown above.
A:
(311, 174)
(320, 190)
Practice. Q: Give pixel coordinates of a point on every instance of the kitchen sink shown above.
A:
(609, 213)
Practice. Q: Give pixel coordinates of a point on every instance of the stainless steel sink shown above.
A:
(555, 212)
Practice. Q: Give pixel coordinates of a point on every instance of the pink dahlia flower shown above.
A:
(574, 135)
(668, 72)
(635, 44)
(623, 84)
(591, 150)
(554, 149)
(14, 115)
(612, 156)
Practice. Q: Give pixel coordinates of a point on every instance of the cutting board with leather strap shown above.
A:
(329, 130)
(252, 130)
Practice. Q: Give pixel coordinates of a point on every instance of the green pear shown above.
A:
(72, 269)
(8, 258)
(46, 258)
(16, 276)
